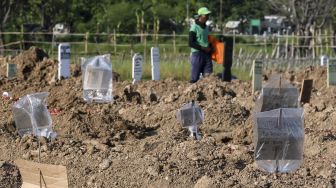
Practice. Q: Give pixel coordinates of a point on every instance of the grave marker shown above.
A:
(323, 60)
(306, 88)
(63, 60)
(331, 72)
(11, 70)
(137, 67)
(155, 61)
(257, 76)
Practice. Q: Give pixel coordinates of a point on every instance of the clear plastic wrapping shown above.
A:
(191, 116)
(277, 93)
(97, 79)
(31, 115)
(278, 139)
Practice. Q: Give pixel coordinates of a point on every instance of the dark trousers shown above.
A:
(200, 63)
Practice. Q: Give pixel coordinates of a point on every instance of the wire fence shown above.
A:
(275, 50)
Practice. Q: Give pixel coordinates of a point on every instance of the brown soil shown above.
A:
(136, 141)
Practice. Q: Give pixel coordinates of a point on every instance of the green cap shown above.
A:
(203, 11)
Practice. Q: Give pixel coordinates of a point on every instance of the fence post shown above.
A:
(332, 35)
(21, 39)
(233, 45)
(145, 45)
(174, 42)
(320, 41)
(86, 42)
(326, 41)
(298, 46)
(278, 46)
(313, 43)
(265, 44)
(114, 41)
(292, 51)
(286, 45)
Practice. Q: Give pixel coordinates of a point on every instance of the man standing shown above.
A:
(200, 49)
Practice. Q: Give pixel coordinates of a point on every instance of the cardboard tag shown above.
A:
(257, 76)
(137, 67)
(331, 72)
(36, 174)
(63, 60)
(155, 61)
(11, 70)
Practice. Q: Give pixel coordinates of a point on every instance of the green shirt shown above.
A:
(201, 35)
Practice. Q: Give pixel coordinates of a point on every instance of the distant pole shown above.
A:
(286, 45)
(292, 51)
(86, 42)
(220, 15)
(145, 46)
(22, 39)
(114, 41)
(187, 11)
(174, 42)
(313, 46)
(278, 46)
(326, 41)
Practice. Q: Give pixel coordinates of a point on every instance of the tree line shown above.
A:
(161, 16)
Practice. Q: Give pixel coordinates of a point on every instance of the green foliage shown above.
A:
(124, 16)
(132, 16)
(116, 16)
(248, 9)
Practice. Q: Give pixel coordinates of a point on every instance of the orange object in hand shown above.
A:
(218, 54)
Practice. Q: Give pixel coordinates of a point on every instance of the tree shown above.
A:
(305, 14)
(7, 7)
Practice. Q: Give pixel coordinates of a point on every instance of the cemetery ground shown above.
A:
(136, 141)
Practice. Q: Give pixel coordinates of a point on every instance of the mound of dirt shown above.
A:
(10, 175)
(27, 61)
(136, 141)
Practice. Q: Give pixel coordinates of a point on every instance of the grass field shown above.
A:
(177, 71)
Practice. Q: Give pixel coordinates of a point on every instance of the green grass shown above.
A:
(175, 66)
(177, 71)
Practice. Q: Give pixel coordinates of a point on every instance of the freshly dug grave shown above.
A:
(136, 141)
